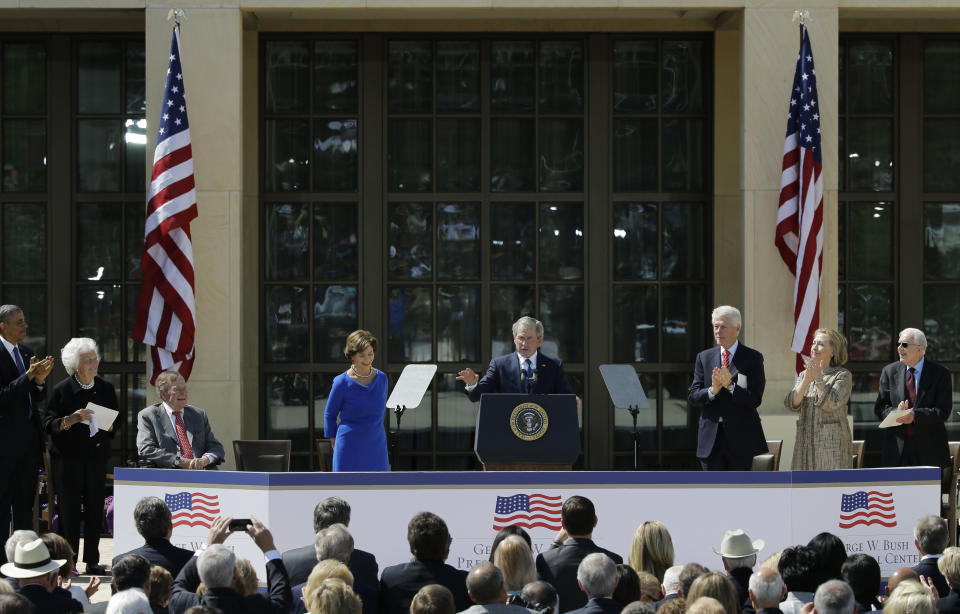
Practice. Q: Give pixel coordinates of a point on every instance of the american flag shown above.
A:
(166, 313)
(867, 508)
(528, 511)
(193, 509)
(799, 235)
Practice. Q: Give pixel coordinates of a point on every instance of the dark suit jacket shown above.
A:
(399, 583)
(19, 433)
(57, 602)
(928, 568)
(949, 604)
(933, 407)
(597, 605)
(740, 576)
(300, 561)
(162, 553)
(157, 439)
(280, 601)
(743, 432)
(558, 566)
(503, 375)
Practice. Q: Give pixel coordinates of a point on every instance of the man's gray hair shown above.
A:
(7, 312)
(671, 579)
(329, 511)
(334, 542)
(731, 314)
(130, 601)
(539, 595)
(165, 380)
(597, 574)
(834, 597)
(916, 335)
(638, 607)
(70, 354)
(528, 321)
(215, 566)
(485, 582)
(931, 534)
(767, 587)
(20, 536)
(742, 561)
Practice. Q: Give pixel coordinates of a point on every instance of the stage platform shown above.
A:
(784, 508)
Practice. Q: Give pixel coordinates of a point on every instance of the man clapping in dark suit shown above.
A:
(728, 383)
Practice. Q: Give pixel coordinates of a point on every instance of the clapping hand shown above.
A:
(39, 369)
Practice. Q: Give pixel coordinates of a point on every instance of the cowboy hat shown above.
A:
(31, 559)
(737, 545)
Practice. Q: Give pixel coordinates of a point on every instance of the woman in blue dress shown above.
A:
(358, 399)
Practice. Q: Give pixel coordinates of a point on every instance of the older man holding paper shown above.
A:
(80, 446)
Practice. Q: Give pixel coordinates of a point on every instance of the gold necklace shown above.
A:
(354, 370)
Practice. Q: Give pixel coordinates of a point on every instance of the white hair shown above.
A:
(597, 574)
(334, 542)
(916, 335)
(767, 587)
(130, 601)
(834, 597)
(215, 566)
(70, 354)
(741, 561)
(731, 314)
(671, 579)
(20, 536)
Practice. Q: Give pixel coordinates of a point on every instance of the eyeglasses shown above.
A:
(904, 344)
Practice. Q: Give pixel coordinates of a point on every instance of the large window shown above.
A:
(435, 188)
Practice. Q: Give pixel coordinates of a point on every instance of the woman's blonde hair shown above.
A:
(652, 549)
(331, 596)
(717, 585)
(837, 342)
(910, 597)
(245, 582)
(514, 558)
(949, 566)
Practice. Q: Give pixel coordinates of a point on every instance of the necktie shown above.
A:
(726, 358)
(185, 450)
(528, 367)
(911, 395)
(21, 371)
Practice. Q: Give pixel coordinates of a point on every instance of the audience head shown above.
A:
(130, 601)
(485, 584)
(20, 536)
(772, 561)
(32, 565)
(766, 588)
(152, 518)
(638, 607)
(433, 599)
(650, 588)
(131, 571)
(245, 580)
(15, 603)
(578, 516)
(673, 606)
(203, 609)
(514, 558)
(628, 586)
(898, 576)
(652, 548)
(737, 550)
(831, 553)
(910, 597)
(597, 575)
(690, 572)
(799, 569)
(58, 548)
(862, 573)
(160, 583)
(949, 566)
(428, 537)
(834, 597)
(541, 596)
(716, 584)
(671, 579)
(707, 605)
(326, 569)
(332, 596)
(334, 542)
(329, 511)
(216, 566)
(931, 534)
(505, 532)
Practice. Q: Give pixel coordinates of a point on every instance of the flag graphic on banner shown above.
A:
(799, 235)
(193, 509)
(863, 507)
(166, 313)
(528, 511)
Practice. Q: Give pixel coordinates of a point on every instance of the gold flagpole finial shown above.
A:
(176, 14)
(802, 16)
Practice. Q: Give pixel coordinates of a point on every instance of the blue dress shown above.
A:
(361, 443)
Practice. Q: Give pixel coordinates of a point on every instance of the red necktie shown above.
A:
(911, 395)
(185, 450)
(726, 358)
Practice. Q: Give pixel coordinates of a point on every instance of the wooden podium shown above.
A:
(527, 432)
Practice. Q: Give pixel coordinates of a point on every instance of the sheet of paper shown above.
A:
(891, 419)
(103, 418)
(741, 380)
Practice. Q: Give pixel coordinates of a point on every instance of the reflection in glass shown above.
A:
(635, 158)
(288, 396)
(288, 241)
(287, 76)
(683, 239)
(684, 322)
(561, 77)
(940, 92)
(683, 154)
(561, 241)
(136, 351)
(410, 155)
(97, 317)
(99, 89)
(941, 241)
(683, 76)
(99, 241)
(870, 253)
(940, 155)
(456, 422)
(635, 323)
(512, 227)
(561, 155)
(133, 233)
(458, 76)
(335, 155)
(99, 147)
(24, 155)
(869, 154)
(410, 77)
(646, 422)
(286, 155)
(411, 324)
(635, 76)
(415, 430)
(458, 313)
(507, 304)
(287, 323)
(33, 300)
(561, 311)
(458, 155)
(24, 242)
(135, 144)
(136, 80)
(335, 76)
(335, 241)
(334, 317)
(842, 240)
(679, 420)
(941, 321)
(410, 235)
(635, 241)
(458, 241)
(24, 77)
(512, 76)
(870, 321)
(870, 74)
(842, 147)
(512, 155)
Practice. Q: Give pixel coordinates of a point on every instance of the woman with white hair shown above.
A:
(79, 449)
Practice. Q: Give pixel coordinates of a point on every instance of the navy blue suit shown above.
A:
(730, 433)
(503, 375)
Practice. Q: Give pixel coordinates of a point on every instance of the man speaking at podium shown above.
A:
(528, 371)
